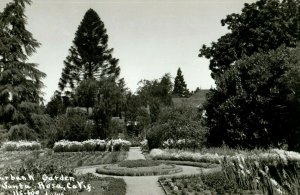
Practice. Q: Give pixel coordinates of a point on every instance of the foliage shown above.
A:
(91, 145)
(277, 175)
(250, 106)
(180, 89)
(210, 183)
(21, 145)
(90, 57)
(86, 93)
(72, 126)
(19, 132)
(52, 169)
(161, 169)
(156, 93)
(180, 123)
(56, 106)
(20, 81)
(105, 185)
(109, 101)
(260, 27)
(158, 154)
(138, 163)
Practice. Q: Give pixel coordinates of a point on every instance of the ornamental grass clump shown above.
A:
(21, 145)
(275, 172)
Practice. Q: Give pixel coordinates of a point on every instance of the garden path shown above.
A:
(135, 153)
(141, 185)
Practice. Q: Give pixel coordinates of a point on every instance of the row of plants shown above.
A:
(91, 145)
(202, 184)
(274, 173)
(77, 159)
(267, 156)
(139, 170)
(178, 155)
(89, 184)
(21, 145)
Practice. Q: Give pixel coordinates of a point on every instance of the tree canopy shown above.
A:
(262, 26)
(89, 56)
(180, 88)
(20, 81)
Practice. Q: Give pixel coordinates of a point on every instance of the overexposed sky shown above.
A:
(149, 37)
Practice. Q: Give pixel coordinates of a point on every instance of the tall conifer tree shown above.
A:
(20, 81)
(90, 57)
(180, 88)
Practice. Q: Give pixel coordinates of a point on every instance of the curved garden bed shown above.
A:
(141, 168)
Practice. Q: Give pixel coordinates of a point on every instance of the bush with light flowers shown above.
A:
(21, 145)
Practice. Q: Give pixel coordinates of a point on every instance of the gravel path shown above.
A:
(135, 153)
(141, 185)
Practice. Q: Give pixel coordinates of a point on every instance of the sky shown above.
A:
(149, 37)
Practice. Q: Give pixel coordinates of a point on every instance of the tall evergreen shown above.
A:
(89, 57)
(180, 89)
(20, 81)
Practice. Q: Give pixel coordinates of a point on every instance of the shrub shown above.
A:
(21, 145)
(21, 132)
(73, 126)
(91, 145)
(179, 123)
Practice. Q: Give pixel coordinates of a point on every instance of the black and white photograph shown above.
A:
(149, 97)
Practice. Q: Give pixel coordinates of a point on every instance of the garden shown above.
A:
(96, 136)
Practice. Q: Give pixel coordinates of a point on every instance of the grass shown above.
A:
(138, 163)
(104, 185)
(161, 169)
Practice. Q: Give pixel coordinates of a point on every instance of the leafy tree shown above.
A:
(177, 123)
(251, 105)
(106, 106)
(90, 57)
(180, 89)
(56, 105)
(20, 81)
(86, 92)
(156, 93)
(262, 26)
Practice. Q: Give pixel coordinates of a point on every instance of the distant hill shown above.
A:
(195, 100)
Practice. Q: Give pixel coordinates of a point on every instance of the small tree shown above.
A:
(180, 89)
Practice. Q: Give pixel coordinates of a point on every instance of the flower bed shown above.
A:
(161, 169)
(270, 157)
(91, 145)
(21, 145)
(212, 183)
(138, 163)
(159, 154)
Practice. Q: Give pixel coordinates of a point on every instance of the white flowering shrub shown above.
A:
(179, 144)
(21, 145)
(91, 145)
(118, 145)
(185, 156)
